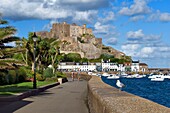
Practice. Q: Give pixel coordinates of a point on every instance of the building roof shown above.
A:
(143, 64)
(135, 61)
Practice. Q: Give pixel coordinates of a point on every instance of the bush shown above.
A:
(60, 74)
(40, 77)
(55, 79)
(3, 80)
(11, 77)
(48, 73)
(21, 74)
(26, 71)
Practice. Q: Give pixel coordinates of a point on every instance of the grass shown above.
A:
(20, 87)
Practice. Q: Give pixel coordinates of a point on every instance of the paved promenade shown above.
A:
(69, 97)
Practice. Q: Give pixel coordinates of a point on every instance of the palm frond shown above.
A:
(11, 51)
(10, 39)
(3, 22)
(10, 63)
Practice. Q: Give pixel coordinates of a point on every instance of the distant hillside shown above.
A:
(79, 39)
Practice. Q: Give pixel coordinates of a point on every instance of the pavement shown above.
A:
(70, 97)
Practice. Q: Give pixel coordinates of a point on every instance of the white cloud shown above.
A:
(139, 7)
(165, 17)
(147, 50)
(135, 34)
(107, 16)
(136, 18)
(130, 49)
(164, 49)
(112, 41)
(152, 37)
(50, 9)
(49, 26)
(99, 28)
(85, 15)
(158, 16)
(138, 36)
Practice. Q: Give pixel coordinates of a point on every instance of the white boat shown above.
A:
(129, 76)
(89, 73)
(157, 79)
(113, 77)
(105, 74)
(154, 76)
(162, 76)
(94, 74)
(166, 76)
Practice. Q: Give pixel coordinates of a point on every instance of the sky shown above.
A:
(139, 28)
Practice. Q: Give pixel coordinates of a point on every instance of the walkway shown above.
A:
(69, 97)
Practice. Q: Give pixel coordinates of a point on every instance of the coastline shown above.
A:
(105, 98)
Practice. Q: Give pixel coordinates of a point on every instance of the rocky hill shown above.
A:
(79, 39)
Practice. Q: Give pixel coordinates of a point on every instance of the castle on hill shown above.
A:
(78, 39)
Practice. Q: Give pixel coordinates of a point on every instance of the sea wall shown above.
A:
(103, 98)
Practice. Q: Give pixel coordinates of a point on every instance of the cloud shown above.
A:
(49, 26)
(155, 52)
(112, 41)
(130, 49)
(159, 16)
(107, 17)
(85, 15)
(103, 29)
(135, 35)
(136, 18)
(50, 9)
(139, 7)
(165, 17)
(138, 37)
(147, 50)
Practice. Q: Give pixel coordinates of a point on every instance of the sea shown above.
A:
(155, 91)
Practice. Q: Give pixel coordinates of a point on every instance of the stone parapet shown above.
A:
(103, 98)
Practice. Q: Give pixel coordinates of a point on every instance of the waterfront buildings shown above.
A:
(134, 66)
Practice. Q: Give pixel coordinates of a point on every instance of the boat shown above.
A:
(105, 74)
(166, 76)
(113, 77)
(157, 78)
(161, 75)
(154, 76)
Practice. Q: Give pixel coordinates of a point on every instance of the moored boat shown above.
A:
(157, 79)
(113, 77)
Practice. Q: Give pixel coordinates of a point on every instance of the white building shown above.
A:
(69, 66)
(104, 66)
(110, 66)
(135, 66)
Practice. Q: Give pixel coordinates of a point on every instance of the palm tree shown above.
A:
(6, 36)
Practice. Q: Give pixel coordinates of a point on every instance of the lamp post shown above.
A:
(34, 37)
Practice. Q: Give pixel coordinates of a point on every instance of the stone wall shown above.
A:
(103, 98)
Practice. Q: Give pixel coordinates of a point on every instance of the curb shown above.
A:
(30, 92)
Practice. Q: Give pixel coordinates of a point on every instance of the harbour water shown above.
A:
(158, 92)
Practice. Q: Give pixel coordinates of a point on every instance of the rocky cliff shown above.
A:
(79, 39)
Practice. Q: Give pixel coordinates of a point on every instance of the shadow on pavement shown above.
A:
(11, 107)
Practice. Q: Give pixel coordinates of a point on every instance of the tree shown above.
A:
(7, 35)
(54, 52)
(72, 57)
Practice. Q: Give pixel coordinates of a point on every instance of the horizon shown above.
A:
(138, 28)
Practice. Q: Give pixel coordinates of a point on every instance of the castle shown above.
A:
(78, 39)
(61, 30)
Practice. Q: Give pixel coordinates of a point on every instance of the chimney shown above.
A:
(84, 25)
(64, 22)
